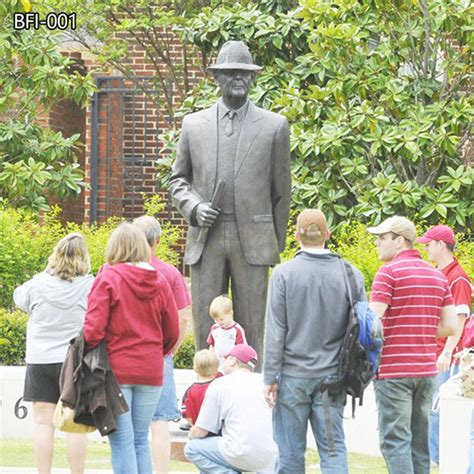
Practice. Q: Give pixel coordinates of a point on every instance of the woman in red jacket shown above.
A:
(131, 306)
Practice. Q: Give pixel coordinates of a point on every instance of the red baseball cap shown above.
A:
(246, 354)
(438, 232)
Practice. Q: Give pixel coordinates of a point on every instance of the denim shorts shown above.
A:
(167, 407)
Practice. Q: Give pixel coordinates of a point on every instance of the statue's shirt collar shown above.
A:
(239, 113)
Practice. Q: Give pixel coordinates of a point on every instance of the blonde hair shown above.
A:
(220, 305)
(205, 363)
(69, 258)
(127, 244)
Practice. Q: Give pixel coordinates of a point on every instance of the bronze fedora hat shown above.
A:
(234, 55)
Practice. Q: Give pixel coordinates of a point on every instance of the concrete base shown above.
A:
(455, 430)
(16, 416)
(178, 440)
(362, 433)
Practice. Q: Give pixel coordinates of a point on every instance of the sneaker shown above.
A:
(185, 425)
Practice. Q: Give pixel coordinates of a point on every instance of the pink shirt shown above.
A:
(415, 293)
(176, 282)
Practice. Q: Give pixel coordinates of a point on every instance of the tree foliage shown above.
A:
(376, 91)
(377, 95)
(34, 159)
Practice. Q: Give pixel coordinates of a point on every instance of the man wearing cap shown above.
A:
(247, 149)
(307, 316)
(439, 242)
(415, 304)
(235, 412)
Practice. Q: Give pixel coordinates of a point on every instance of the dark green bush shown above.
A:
(183, 359)
(12, 337)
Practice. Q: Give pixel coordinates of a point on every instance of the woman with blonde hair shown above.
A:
(56, 301)
(131, 306)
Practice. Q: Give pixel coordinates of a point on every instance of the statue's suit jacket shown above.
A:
(262, 180)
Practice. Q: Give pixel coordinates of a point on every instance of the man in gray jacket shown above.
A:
(307, 316)
(236, 239)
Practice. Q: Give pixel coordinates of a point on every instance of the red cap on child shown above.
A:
(246, 354)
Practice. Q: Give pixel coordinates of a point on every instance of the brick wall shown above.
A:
(68, 118)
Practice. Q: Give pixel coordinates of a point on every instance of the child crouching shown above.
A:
(205, 364)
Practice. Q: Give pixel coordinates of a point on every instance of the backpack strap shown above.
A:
(349, 271)
(351, 287)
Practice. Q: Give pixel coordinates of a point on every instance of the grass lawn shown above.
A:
(19, 453)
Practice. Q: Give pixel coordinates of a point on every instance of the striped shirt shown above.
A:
(415, 293)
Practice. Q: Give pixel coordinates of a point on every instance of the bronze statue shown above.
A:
(242, 153)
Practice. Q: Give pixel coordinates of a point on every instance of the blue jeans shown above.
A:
(205, 455)
(434, 417)
(129, 444)
(300, 401)
(403, 413)
(167, 407)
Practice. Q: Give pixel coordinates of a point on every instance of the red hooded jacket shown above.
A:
(134, 310)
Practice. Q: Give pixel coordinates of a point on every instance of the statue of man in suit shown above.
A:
(246, 148)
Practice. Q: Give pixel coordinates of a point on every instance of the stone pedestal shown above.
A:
(455, 430)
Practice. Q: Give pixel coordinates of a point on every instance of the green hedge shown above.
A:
(12, 337)
(183, 359)
(25, 244)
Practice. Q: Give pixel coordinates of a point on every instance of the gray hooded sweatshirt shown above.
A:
(56, 309)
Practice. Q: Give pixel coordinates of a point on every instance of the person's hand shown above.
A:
(444, 361)
(206, 215)
(270, 393)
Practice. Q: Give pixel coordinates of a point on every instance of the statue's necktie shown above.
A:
(229, 126)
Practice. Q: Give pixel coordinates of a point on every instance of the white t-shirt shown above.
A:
(235, 404)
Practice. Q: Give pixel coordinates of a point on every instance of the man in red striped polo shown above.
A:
(439, 242)
(415, 304)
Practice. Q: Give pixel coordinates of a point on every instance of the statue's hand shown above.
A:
(206, 215)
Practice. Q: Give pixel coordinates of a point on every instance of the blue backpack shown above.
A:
(370, 334)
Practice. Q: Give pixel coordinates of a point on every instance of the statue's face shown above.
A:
(234, 83)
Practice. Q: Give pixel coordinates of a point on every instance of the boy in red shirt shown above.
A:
(205, 365)
(440, 242)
